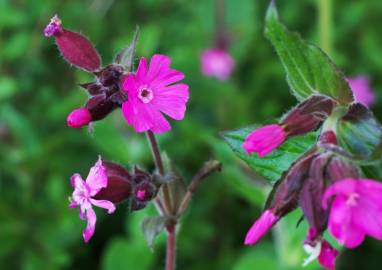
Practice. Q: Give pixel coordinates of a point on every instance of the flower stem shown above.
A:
(171, 246)
(156, 152)
(325, 24)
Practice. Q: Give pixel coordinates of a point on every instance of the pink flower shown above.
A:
(78, 118)
(218, 63)
(151, 92)
(320, 249)
(54, 27)
(362, 91)
(260, 227)
(264, 140)
(356, 210)
(83, 196)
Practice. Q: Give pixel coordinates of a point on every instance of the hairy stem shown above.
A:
(325, 25)
(171, 246)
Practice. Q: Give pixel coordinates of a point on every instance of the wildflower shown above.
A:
(151, 91)
(265, 139)
(355, 210)
(362, 91)
(83, 196)
(78, 118)
(218, 63)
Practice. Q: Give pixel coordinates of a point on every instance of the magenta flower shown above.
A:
(217, 63)
(83, 196)
(356, 210)
(260, 227)
(362, 91)
(151, 91)
(264, 140)
(78, 118)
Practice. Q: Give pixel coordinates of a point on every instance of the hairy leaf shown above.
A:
(309, 70)
(151, 227)
(273, 165)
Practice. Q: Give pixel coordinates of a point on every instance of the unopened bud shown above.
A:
(78, 118)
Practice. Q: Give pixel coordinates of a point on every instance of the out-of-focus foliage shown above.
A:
(38, 153)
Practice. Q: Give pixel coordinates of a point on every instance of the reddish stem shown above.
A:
(171, 245)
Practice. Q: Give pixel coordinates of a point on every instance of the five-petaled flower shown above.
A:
(150, 92)
(83, 196)
(356, 210)
(264, 140)
(218, 63)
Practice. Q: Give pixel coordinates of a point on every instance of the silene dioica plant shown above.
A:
(322, 156)
(143, 95)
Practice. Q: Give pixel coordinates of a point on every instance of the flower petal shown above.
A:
(104, 204)
(172, 100)
(142, 70)
(97, 177)
(343, 187)
(76, 181)
(90, 227)
(158, 64)
(260, 227)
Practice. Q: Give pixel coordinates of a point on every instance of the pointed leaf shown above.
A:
(309, 70)
(273, 165)
(126, 56)
(151, 227)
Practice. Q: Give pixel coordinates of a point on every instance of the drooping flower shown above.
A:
(320, 249)
(84, 193)
(356, 210)
(260, 227)
(78, 118)
(264, 140)
(217, 63)
(362, 91)
(151, 91)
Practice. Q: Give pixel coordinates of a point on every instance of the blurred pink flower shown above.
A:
(151, 91)
(218, 63)
(78, 118)
(83, 194)
(260, 227)
(264, 140)
(362, 91)
(356, 210)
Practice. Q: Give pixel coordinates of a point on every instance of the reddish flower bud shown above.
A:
(110, 75)
(74, 47)
(145, 191)
(340, 168)
(308, 115)
(78, 118)
(100, 106)
(119, 186)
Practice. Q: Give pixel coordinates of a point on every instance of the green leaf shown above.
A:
(126, 56)
(360, 133)
(273, 165)
(151, 227)
(309, 70)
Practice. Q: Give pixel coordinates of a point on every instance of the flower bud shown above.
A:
(110, 75)
(340, 168)
(78, 118)
(94, 88)
(74, 47)
(145, 191)
(100, 106)
(308, 115)
(119, 186)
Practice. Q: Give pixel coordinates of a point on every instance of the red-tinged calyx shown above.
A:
(74, 47)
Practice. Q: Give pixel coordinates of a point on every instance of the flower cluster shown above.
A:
(144, 95)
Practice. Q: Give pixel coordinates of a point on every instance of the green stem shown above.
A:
(325, 25)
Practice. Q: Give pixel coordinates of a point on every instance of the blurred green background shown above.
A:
(38, 153)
